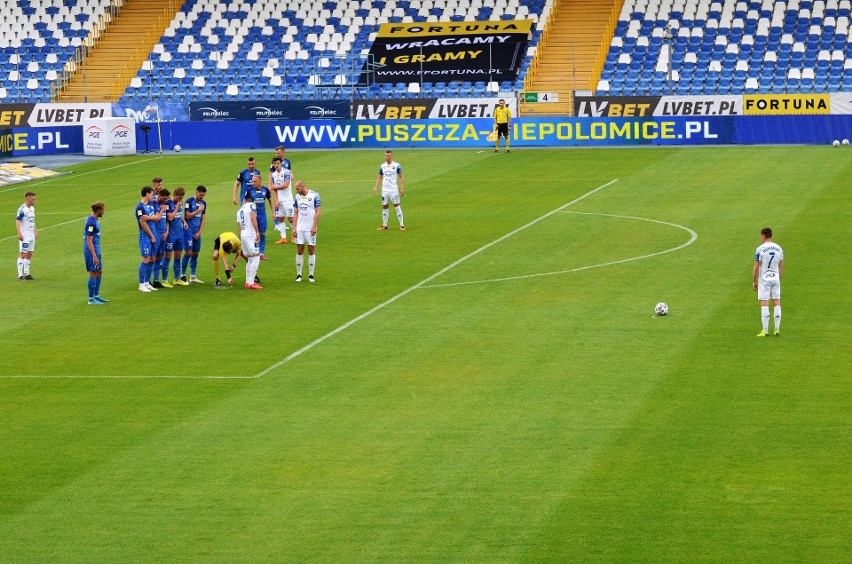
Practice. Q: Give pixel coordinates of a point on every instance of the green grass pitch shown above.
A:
(489, 386)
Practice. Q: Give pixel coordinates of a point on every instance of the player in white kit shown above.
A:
(282, 198)
(766, 279)
(27, 235)
(249, 239)
(393, 188)
(308, 209)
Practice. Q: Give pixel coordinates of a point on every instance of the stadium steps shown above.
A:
(577, 33)
(114, 59)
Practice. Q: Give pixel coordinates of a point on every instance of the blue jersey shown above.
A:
(145, 209)
(92, 229)
(193, 224)
(161, 224)
(176, 224)
(258, 196)
(244, 178)
(285, 165)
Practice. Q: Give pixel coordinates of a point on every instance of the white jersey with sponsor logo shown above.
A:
(306, 210)
(769, 255)
(390, 174)
(285, 195)
(26, 215)
(244, 219)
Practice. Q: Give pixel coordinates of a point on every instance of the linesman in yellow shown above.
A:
(502, 123)
(225, 244)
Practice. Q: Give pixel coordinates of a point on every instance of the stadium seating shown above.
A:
(729, 47)
(38, 38)
(310, 50)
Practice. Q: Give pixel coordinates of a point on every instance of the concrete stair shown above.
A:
(577, 33)
(106, 72)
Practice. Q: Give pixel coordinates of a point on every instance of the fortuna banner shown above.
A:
(447, 51)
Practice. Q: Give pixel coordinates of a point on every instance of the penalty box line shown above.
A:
(346, 325)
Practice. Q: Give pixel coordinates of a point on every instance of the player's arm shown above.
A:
(401, 184)
(237, 184)
(269, 201)
(18, 227)
(203, 221)
(90, 242)
(171, 215)
(508, 118)
(378, 180)
(190, 214)
(254, 223)
(780, 268)
(755, 273)
(316, 220)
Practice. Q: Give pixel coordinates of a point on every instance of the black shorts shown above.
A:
(216, 244)
(503, 129)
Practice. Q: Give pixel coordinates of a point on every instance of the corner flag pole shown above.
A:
(159, 131)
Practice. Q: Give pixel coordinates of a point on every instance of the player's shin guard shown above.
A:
(385, 216)
(143, 272)
(184, 264)
(399, 215)
(93, 287)
(216, 268)
(764, 317)
(777, 313)
(20, 267)
(176, 268)
(299, 264)
(26, 267)
(263, 244)
(98, 285)
(312, 262)
(193, 264)
(165, 267)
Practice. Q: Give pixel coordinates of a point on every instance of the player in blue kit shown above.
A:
(92, 253)
(145, 220)
(244, 179)
(261, 195)
(174, 244)
(194, 210)
(162, 233)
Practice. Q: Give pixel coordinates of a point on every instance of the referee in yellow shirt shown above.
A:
(225, 244)
(502, 122)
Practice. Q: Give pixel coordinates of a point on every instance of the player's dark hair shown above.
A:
(227, 247)
(251, 159)
(97, 206)
(277, 160)
(201, 189)
(280, 147)
(156, 179)
(165, 192)
(766, 232)
(147, 190)
(179, 191)
(28, 194)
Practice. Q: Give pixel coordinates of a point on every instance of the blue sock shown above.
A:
(150, 272)
(155, 266)
(92, 288)
(263, 244)
(166, 262)
(143, 270)
(176, 268)
(193, 264)
(98, 286)
(184, 263)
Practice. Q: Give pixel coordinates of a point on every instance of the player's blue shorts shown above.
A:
(190, 243)
(146, 246)
(261, 223)
(90, 263)
(159, 246)
(175, 243)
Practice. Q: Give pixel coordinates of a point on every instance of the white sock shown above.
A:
(26, 267)
(399, 215)
(312, 262)
(20, 266)
(255, 265)
(385, 216)
(764, 316)
(299, 263)
(777, 318)
(249, 273)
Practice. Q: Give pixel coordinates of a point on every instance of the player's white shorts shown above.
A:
(250, 246)
(27, 245)
(390, 197)
(769, 287)
(306, 238)
(284, 209)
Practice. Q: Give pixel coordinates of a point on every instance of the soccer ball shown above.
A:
(845, 142)
(836, 143)
(661, 309)
(177, 148)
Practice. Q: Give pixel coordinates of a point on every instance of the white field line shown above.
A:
(348, 324)
(41, 181)
(47, 227)
(693, 236)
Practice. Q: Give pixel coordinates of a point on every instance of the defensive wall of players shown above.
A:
(33, 129)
